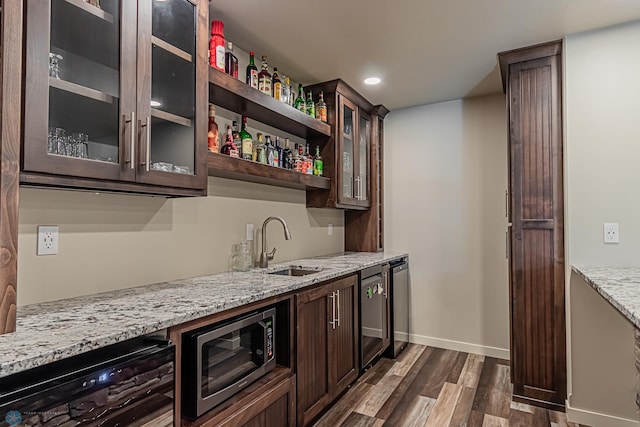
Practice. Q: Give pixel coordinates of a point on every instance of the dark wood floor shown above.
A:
(429, 386)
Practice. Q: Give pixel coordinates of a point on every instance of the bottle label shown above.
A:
(247, 146)
(220, 57)
(277, 91)
(264, 86)
(254, 79)
(321, 113)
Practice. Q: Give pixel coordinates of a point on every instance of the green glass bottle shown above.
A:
(318, 164)
(246, 141)
(311, 106)
(299, 103)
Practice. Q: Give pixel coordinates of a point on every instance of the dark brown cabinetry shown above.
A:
(327, 340)
(533, 84)
(348, 153)
(10, 83)
(115, 96)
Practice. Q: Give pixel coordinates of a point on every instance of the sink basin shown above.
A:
(292, 271)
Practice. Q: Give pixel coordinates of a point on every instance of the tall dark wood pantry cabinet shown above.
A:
(533, 83)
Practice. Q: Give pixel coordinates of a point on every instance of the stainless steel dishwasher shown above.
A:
(400, 304)
(374, 318)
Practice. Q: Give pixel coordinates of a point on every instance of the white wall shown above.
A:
(602, 122)
(110, 241)
(445, 179)
(602, 148)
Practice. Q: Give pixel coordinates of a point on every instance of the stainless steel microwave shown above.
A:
(220, 360)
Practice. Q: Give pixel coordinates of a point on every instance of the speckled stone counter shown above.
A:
(618, 285)
(55, 330)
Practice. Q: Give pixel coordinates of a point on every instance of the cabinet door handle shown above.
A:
(147, 125)
(338, 309)
(385, 276)
(506, 246)
(506, 204)
(333, 310)
(132, 140)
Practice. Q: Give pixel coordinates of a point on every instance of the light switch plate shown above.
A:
(249, 236)
(611, 232)
(47, 240)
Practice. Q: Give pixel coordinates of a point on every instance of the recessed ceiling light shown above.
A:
(155, 103)
(372, 81)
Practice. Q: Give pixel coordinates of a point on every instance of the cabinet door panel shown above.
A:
(169, 99)
(347, 135)
(312, 343)
(80, 88)
(277, 415)
(364, 155)
(343, 344)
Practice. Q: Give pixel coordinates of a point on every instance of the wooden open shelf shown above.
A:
(232, 94)
(223, 166)
(95, 11)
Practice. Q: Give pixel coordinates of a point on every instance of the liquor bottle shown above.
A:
(229, 147)
(261, 150)
(214, 145)
(311, 106)
(216, 45)
(299, 103)
(237, 141)
(269, 151)
(247, 141)
(278, 161)
(277, 85)
(252, 72)
(321, 108)
(297, 159)
(231, 62)
(309, 159)
(286, 91)
(318, 164)
(303, 159)
(264, 78)
(287, 155)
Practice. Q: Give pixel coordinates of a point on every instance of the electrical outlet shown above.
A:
(330, 229)
(47, 240)
(249, 233)
(611, 232)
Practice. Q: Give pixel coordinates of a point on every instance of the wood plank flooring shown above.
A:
(433, 387)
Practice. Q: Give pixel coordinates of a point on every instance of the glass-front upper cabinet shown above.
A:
(354, 135)
(364, 147)
(111, 90)
(348, 148)
(76, 91)
(168, 100)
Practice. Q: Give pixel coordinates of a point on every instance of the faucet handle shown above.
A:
(271, 254)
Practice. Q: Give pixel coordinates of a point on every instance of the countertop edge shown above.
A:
(607, 295)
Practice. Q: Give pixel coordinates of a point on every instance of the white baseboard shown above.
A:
(597, 419)
(500, 353)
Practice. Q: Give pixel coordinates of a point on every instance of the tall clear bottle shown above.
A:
(286, 91)
(264, 78)
(321, 108)
(252, 72)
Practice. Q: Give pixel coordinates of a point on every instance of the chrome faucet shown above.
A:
(265, 256)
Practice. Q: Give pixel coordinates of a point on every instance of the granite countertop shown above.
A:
(618, 285)
(56, 330)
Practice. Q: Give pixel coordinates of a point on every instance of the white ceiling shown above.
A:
(424, 50)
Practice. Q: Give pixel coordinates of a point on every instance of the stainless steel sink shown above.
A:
(292, 271)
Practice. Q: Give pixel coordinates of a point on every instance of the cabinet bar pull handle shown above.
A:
(132, 140)
(385, 277)
(148, 143)
(338, 310)
(333, 310)
(506, 203)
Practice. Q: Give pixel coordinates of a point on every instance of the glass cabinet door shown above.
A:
(348, 160)
(167, 101)
(75, 78)
(364, 144)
